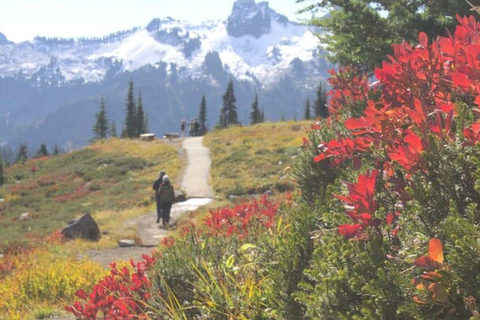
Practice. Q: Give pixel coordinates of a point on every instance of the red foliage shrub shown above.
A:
(121, 295)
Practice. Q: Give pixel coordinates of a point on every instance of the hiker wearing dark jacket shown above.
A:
(167, 197)
(156, 187)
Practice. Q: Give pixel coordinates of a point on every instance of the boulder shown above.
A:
(85, 228)
(24, 216)
(125, 243)
(179, 196)
(147, 136)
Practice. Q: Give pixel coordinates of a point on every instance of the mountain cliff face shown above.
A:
(52, 85)
(3, 39)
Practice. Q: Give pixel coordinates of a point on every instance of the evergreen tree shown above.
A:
(131, 127)
(360, 33)
(43, 151)
(321, 109)
(307, 110)
(56, 151)
(100, 129)
(222, 121)
(229, 107)
(255, 115)
(2, 173)
(140, 116)
(202, 116)
(22, 156)
(145, 124)
(113, 130)
(263, 115)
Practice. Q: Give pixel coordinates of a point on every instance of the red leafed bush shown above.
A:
(239, 219)
(121, 295)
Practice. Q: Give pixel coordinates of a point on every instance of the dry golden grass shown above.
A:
(249, 160)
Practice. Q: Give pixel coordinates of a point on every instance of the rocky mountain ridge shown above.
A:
(47, 80)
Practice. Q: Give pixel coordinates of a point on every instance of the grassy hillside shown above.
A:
(108, 179)
(248, 160)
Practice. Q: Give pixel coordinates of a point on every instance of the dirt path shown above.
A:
(198, 193)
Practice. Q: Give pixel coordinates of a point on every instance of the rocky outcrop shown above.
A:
(250, 18)
(85, 228)
(3, 39)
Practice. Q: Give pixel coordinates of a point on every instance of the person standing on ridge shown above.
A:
(183, 125)
(156, 187)
(167, 197)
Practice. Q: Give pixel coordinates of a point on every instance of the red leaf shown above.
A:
(423, 39)
(435, 250)
(349, 231)
(426, 262)
(390, 218)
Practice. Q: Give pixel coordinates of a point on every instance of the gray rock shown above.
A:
(126, 243)
(268, 193)
(85, 228)
(179, 196)
(24, 216)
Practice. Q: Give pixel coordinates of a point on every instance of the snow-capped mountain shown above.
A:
(260, 49)
(255, 41)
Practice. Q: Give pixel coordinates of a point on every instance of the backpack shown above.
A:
(167, 194)
(157, 183)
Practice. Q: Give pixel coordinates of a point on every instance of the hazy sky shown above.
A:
(22, 20)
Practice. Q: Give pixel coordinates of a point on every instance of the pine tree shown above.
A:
(140, 116)
(255, 115)
(113, 130)
(263, 115)
(321, 109)
(43, 151)
(100, 129)
(202, 116)
(56, 151)
(2, 173)
(130, 130)
(145, 124)
(229, 110)
(307, 110)
(22, 156)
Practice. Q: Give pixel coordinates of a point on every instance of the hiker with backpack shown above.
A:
(156, 187)
(167, 197)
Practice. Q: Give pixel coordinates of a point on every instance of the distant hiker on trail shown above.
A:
(183, 125)
(196, 127)
(156, 187)
(167, 197)
(190, 128)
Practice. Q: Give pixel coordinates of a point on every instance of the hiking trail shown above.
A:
(198, 193)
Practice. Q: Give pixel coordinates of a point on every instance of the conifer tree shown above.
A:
(321, 109)
(307, 110)
(56, 151)
(145, 124)
(202, 116)
(43, 151)
(255, 115)
(263, 115)
(131, 127)
(140, 116)
(22, 156)
(100, 129)
(2, 173)
(113, 130)
(228, 114)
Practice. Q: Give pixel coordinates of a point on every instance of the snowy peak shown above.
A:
(250, 18)
(3, 39)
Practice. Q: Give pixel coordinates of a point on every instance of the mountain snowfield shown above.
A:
(53, 85)
(265, 57)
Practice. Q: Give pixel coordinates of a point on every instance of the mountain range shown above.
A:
(50, 88)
